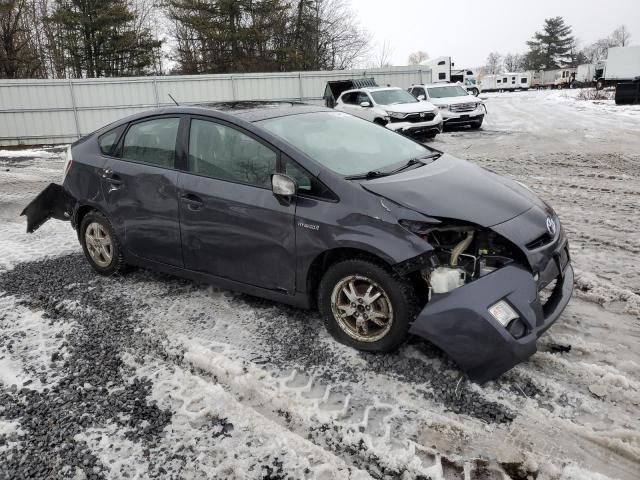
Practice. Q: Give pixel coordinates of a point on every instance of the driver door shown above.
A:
(232, 224)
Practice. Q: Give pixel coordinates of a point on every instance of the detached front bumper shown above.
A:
(460, 324)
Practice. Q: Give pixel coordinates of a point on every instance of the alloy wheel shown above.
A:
(99, 244)
(362, 308)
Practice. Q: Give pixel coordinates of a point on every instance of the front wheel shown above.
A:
(476, 125)
(366, 306)
(475, 91)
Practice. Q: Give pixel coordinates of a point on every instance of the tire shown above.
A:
(475, 91)
(600, 84)
(100, 244)
(397, 301)
(380, 121)
(476, 125)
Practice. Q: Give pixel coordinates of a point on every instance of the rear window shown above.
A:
(109, 139)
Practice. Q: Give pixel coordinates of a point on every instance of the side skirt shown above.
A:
(300, 300)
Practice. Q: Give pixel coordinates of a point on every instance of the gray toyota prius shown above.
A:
(316, 208)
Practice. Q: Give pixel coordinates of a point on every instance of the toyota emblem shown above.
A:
(551, 226)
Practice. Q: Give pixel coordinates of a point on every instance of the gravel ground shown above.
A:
(150, 376)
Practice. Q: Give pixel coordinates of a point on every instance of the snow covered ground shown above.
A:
(147, 375)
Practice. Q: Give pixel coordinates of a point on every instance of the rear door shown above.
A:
(140, 187)
(232, 225)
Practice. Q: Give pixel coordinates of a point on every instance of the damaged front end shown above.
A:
(486, 302)
(53, 202)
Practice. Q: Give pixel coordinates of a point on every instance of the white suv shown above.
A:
(393, 108)
(456, 105)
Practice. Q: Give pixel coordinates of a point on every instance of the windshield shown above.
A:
(392, 97)
(343, 143)
(444, 92)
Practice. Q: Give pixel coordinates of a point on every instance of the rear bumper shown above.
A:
(53, 202)
(459, 322)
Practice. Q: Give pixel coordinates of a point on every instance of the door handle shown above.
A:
(113, 179)
(192, 201)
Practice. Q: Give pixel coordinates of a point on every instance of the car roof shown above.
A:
(370, 89)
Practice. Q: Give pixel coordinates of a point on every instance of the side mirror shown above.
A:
(421, 97)
(365, 104)
(283, 185)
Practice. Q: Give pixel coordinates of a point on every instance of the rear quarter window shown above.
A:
(108, 140)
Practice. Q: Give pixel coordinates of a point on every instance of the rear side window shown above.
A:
(109, 139)
(152, 142)
(218, 151)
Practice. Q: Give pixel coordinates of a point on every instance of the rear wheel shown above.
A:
(100, 245)
(475, 91)
(365, 306)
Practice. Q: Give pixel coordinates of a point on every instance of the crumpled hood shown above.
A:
(456, 189)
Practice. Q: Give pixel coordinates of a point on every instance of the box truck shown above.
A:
(443, 71)
(622, 65)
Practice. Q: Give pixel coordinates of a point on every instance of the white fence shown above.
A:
(36, 112)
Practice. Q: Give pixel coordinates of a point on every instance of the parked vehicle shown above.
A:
(309, 206)
(442, 70)
(557, 78)
(393, 108)
(510, 81)
(456, 105)
(334, 88)
(622, 65)
(585, 74)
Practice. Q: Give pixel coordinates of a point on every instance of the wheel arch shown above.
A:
(324, 260)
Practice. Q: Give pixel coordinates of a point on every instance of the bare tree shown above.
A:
(383, 58)
(512, 62)
(416, 58)
(621, 36)
(494, 63)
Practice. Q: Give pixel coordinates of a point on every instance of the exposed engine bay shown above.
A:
(464, 254)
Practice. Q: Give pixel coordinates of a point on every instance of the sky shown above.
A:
(468, 30)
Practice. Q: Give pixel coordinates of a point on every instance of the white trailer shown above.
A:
(623, 64)
(585, 73)
(443, 71)
(505, 82)
(557, 78)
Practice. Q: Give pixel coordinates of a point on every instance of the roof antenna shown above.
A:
(174, 100)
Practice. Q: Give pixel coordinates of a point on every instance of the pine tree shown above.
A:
(552, 47)
(98, 39)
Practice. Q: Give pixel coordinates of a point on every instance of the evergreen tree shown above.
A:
(552, 47)
(98, 38)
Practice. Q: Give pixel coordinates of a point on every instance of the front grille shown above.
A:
(541, 241)
(415, 117)
(463, 107)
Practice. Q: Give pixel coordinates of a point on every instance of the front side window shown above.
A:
(362, 97)
(307, 183)
(392, 97)
(222, 152)
(418, 91)
(343, 143)
(350, 98)
(152, 142)
(445, 92)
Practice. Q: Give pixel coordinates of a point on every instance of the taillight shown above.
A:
(67, 163)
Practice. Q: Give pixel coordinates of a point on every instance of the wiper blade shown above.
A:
(368, 175)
